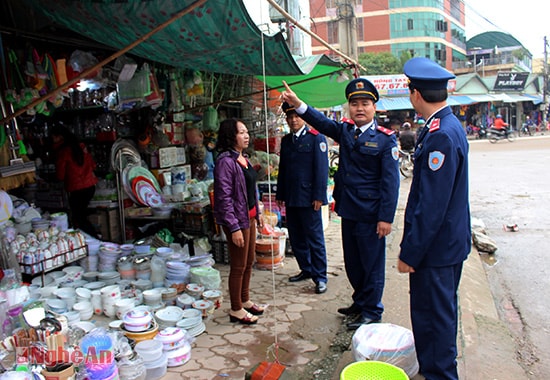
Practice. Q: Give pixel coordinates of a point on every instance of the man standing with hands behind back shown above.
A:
(302, 187)
(365, 191)
(437, 234)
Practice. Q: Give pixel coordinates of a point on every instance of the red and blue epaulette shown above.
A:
(314, 132)
(434, 125)
(349, 121)
(386, 131)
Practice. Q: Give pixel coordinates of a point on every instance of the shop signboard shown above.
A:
(510, 81)
(398, 84)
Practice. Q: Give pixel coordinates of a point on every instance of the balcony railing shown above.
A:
(494, 61)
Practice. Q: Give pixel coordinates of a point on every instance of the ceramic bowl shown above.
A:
(94, 285)
(85, 308)
(194, 290)
(83, 294)
(150, 333)
(84, 325)
(56, 305)
(74, 272)
(137, 320)
(179, 356)
(152, 296)
(170, 337)
(111, 291)
(90, 276)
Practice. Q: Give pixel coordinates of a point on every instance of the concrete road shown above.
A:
(510, 184)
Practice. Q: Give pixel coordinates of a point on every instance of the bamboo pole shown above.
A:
(114, 56)
(315, 36)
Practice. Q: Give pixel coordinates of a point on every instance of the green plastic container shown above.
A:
(372, 370)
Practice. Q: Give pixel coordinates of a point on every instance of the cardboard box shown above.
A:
(67, 374)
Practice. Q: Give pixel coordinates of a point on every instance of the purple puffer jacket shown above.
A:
(230, 202)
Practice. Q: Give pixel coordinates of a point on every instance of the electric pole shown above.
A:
(347, 28)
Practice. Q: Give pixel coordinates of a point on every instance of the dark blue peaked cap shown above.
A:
(361, 88)
(425, 74)
(287, 108)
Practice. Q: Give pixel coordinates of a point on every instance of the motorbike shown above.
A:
(495, 135)
(527, 130)
(333, 155)
(406, 163)
(481, 132)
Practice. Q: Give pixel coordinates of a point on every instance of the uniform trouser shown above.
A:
(78, 204)
(305, 230)
(434, 316)
(240, 265)
(365, 259)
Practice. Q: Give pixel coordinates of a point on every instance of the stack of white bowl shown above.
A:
(74, 272)
(83, 294)
(152, 297)
(108, 256)
(175, 344)
(72, 317)
(68, 295)
(109, 296)
(137, 320)
(124, 305)
(85, 309)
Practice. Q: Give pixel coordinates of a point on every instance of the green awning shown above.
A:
(324, 86)
(217, 37)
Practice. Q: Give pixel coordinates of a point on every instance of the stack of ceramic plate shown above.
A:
(204, 260)
(109, 278)
(141, 186)
(192, 322)
(168, 316)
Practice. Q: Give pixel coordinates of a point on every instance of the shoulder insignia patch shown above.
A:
(323, 147)
(434, 125)
(313, 131)
(395, 153)
(385, 131)
(435, 160)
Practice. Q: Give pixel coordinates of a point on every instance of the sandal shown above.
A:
(248, 319)
(254, 309)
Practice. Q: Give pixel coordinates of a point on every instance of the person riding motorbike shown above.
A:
(407, 138)
(499, 123)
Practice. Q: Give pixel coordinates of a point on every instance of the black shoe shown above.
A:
(299, 277)
(360, 320)
(353, 309)
(320, 287)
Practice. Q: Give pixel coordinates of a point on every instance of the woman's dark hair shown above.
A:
(227, 135)
(69, 140)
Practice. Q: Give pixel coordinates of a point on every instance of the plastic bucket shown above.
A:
(372, 370)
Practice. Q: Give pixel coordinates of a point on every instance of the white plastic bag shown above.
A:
(388, 343)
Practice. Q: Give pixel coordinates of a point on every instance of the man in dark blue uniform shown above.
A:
(437, 234)
(366, 191)
(302, 187)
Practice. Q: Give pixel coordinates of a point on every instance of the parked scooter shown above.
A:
(481, 132)
(406, 162)
(498, 134)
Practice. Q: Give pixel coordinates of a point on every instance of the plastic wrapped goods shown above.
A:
(388, 343)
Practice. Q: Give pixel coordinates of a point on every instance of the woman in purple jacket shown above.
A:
(236, 210)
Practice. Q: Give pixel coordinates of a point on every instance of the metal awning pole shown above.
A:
(114, 56)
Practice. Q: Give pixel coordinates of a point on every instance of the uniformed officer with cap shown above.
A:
(366, 191)
(302, 188)
(437, 234)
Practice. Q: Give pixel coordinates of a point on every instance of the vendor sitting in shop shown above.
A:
(75, 166)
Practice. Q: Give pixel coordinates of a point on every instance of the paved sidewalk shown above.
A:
(311, 339)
